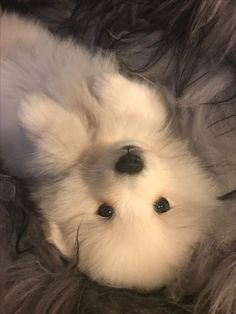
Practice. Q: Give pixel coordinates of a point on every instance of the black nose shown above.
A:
(129, 163)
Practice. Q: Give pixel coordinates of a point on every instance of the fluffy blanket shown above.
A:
(189, 47)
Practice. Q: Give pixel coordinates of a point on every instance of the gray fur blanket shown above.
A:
(189, 47)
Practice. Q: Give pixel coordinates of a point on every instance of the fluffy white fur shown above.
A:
(65, 116)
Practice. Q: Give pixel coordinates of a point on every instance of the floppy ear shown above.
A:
(58, 136)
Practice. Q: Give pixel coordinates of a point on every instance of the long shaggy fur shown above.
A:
(188, 46)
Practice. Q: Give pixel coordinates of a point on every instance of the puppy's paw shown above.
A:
(57, 135)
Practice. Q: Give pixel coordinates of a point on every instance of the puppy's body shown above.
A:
(67, 118)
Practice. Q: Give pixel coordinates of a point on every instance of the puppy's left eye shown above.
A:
(162, 205)
(105, 211)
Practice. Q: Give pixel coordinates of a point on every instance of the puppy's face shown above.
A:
(133, 199)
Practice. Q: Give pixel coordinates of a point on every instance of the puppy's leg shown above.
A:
(57, 136)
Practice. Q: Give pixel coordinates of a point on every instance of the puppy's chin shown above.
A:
(128, 276)
(132, 269)
(136, 258)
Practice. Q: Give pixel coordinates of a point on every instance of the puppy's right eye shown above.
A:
(105, 211)
(162, 206)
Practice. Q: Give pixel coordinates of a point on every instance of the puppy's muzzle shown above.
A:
(130, 162)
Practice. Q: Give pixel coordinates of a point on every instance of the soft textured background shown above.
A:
(188, 47)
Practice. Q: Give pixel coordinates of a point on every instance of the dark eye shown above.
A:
(105, 211)
(161, 206)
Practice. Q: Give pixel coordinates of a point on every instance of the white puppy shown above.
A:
(104, 168)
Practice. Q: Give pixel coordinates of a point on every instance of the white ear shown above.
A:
(58, 136)
(55, 236)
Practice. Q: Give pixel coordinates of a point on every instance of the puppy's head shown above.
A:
(133, 199)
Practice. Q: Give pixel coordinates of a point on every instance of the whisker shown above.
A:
(77, 245)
